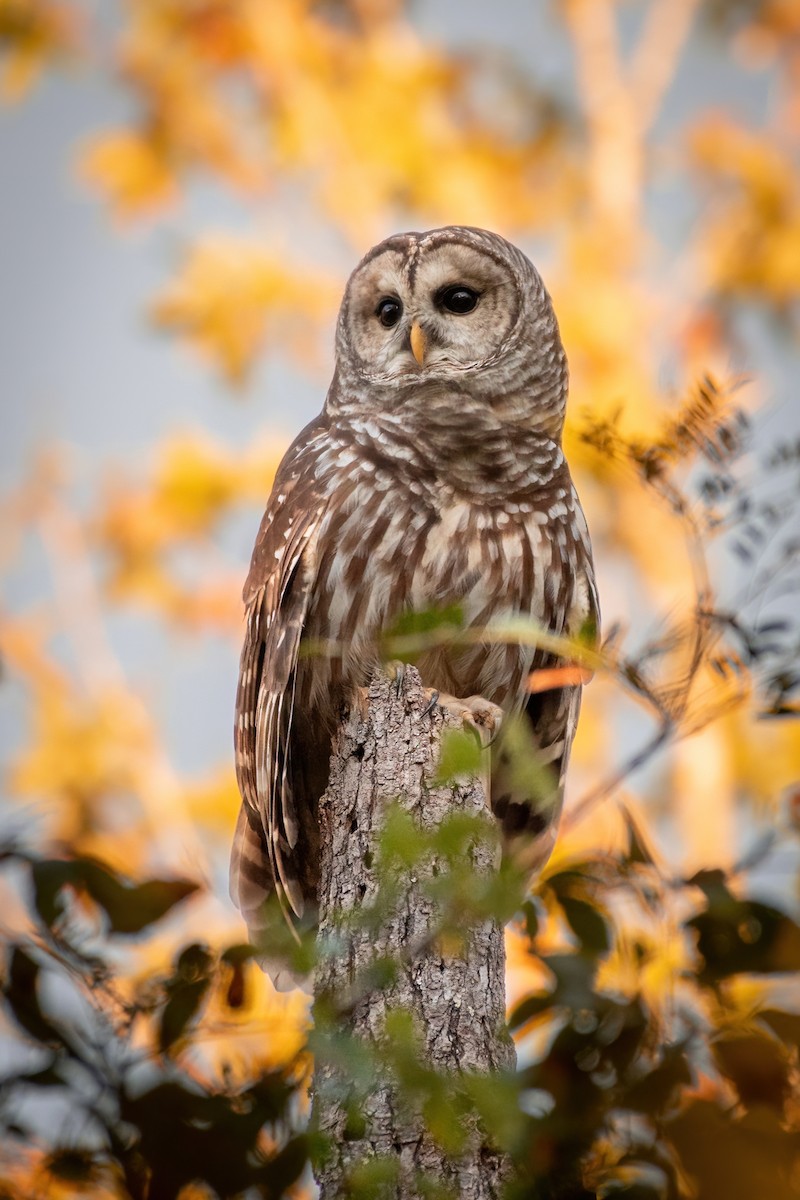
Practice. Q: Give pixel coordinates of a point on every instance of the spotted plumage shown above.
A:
(433, 476)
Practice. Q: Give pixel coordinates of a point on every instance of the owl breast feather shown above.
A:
(378, 558)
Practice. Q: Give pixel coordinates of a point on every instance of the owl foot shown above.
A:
(480, 715)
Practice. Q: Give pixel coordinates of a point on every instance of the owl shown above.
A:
(434, 476)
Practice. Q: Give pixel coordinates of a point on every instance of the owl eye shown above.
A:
(458, 299)
(389, 311)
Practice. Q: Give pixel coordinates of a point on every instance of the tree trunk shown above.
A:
(456, 998)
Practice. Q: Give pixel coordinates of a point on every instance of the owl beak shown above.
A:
(418, 342)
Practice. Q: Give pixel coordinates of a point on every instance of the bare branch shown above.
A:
(654, 62)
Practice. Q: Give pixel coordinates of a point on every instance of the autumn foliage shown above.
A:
(655, 968)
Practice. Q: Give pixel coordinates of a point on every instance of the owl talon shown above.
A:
(396, 671)
(483, 717)
(479, 715)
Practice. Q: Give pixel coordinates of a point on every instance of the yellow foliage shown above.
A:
(268, 1027)
(647, 963)
(754, 244)
(22, 646)
(245, 1025)
(189, 121)
(232, 298)
(26, 1175)
(360, 109)
(609, 322)
(214, 802)
(751, 747)
(33, 34)
(84, 752)
(194, 481)
(194, 484)
(131, 169)
(370, 111)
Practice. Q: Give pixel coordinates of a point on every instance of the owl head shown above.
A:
(459, 307)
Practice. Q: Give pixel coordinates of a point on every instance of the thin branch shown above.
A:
(603, 790)
(654, 62)
(614, 149)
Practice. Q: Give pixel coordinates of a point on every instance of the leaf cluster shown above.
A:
(641, 1091)
(106, 1095)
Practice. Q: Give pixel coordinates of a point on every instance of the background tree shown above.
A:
(656, 1017)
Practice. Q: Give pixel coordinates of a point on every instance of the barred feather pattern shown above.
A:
(414, 488)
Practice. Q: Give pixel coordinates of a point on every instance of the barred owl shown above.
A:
(433, 476)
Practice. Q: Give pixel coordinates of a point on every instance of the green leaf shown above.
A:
(238, 954)
(401, 842)
(131, 907)
(587, 924)
(21, 994)
(450, 616)
(497, 1100)
(430, 1188)
(374, 1179)
(444, 1111)
(587, 634)
(736, 936)
(71, 1165)
(758, 1066)
(186, 991)
(459, 832)
(342, 1052)
(399, 1026)
(461, 755)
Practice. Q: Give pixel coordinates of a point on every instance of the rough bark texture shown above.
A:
(457, 1001)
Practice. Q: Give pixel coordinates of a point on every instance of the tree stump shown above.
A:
(457, 999)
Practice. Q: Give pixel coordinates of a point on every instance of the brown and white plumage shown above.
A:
(433, 476)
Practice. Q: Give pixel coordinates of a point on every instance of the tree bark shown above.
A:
(457, 998)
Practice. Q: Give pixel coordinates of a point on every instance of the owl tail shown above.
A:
(252, 885)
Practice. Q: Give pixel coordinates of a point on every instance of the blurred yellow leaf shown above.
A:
(232, 296)
(214, 801)
(753, 245)
(192, 486)
(131, 169)
(33, 34)
(80, 753)
(646, 962)
(194, 481)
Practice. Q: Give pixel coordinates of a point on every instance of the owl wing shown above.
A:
(277, 596)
